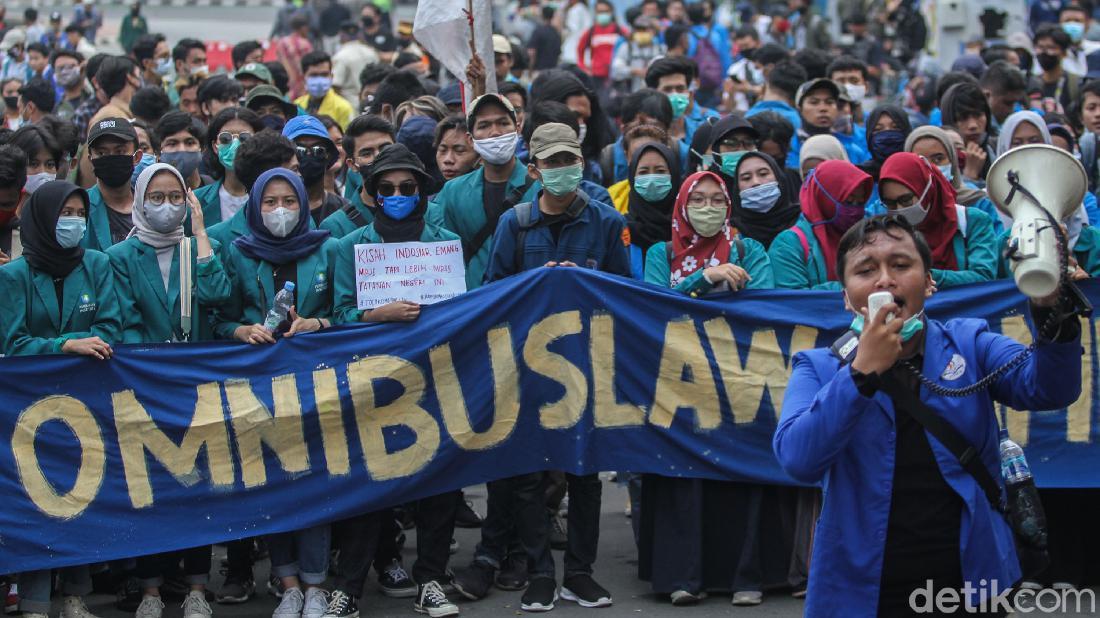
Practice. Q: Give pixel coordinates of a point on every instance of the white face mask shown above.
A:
(856, 92)
(37, 180)
(497, 150)
(280, 221)
(202, 68)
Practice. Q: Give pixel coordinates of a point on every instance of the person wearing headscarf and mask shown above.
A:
(934, 144)
(652, 177)
(964, 247)
(278, 248)
(706, 254)
(762, 201)
(819, 148)
(832, 199)
(147, 265)
(887, 128)
(60, 298)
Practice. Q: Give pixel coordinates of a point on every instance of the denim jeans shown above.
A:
(517, 504)
(35, 587)
(302, 554)
(196, 567)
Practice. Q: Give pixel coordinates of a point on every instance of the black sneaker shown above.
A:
(475, 581)
(540, 596)
(341, 605)
(513, 573)
(275, 587)
(467, 517)
(396, 583)
(236, 590)
(430, 600)
(584, 591)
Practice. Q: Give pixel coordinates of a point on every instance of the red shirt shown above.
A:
(600, 42)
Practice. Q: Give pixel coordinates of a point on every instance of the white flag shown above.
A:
(442, 29)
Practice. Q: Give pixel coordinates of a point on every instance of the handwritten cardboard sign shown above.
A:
(419, 272)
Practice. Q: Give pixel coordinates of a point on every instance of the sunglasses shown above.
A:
(407, 188)
(225, 137)
(317, 152)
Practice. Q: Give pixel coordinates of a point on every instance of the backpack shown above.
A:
(709, 63)
(1088, 158)
(525, 219)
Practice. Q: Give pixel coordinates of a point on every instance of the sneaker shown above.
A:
(275, 587)
(467, 517)
(128, 596)
(540, 596)
(475, 581)
(236, 590)
(396, 583)
(316, 603)
(454, 546)
(32, 615)
(513, 573)
(341, 605)
(291, 605)
(584, 591)
(683, 597)
(799, 593)
(11, 600)
(748, 597)
(195, 605)
(447, 582)
(73, 607)
(430, 600)
(151, 607)
(404, 519)
(559, 536)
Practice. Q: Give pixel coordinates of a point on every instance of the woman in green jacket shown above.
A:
(227, 131)
(60, 298)
(279, 248)
(147, 265)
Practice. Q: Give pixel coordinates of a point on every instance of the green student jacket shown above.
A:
(347, 307)
(149, 313)
(755, 262)
(98, 235)
(30, 319)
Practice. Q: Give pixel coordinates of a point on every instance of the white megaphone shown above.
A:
(1026, 183)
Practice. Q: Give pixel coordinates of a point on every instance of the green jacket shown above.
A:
(1086, 250)
(149, 313)
(347, 306)
(755, 262)
(464, 213)
(30, 319)
(339, 224)
(98, 236)
(254, 289)
(211, 207)
(226, 232)
(789, 264)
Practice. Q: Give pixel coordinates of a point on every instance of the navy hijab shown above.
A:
(261, 244)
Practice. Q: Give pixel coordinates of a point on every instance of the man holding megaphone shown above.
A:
(879, 419)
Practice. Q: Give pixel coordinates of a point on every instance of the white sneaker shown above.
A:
(316, 603)
(195, 605)
(74, 607)
(291, 605)
(33, 615)
(748, 597)
(151, 607)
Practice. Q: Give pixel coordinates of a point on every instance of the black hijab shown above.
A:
(651, 222)
(38, 229)
(901, 121)
(560, 84)
(763, 227)
(399, 157)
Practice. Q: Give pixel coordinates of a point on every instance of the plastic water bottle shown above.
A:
(1024, 507)
(284, 300)
(1014, 468)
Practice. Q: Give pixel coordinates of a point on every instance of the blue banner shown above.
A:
(555, 369)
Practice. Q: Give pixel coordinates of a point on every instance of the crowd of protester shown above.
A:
(691, 146)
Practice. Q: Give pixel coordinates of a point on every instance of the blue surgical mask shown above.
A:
(653, 187)
(70, 231)
(227, 153)
(146, 161)
(911, 327)
(760, 198)
(397, 207)
(317, 86)
(164, 66)
(947, 173)
(1075, 30)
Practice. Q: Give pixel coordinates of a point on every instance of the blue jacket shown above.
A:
(694, 117)
(853, 145)
(830, 433)
(622, 165)
(779, 107)
(592, 238)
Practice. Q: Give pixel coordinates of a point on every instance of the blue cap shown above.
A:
(304, 125)
(450, 94)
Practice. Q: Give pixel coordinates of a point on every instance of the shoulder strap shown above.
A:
(523, 218)
(740, 246)
(804, 241)
(947, 435)
(469, 250)
(185, 287)
(1088, 157)
(607, 163)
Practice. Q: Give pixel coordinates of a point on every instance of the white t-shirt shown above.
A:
(230, 203)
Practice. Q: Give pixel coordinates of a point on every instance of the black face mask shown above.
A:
(368, 22)
(273, 122)
(11, 102)
(113, 170)
(312, 169)
(1048, 61)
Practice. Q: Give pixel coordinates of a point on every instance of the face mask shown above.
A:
(845, 215)
(679, 103)
(312, 168)
(603, 19)
(653, 187)
(186, 162)
(1048, 61)
(397, 207)
(37, 180)
(915, 212)
(643, 38)
(280, 221)
(856, 92)
(68, 77)
(113, 170)
(496, 150)
(947, 173)
(705, 160)
(886, 143)
(561, 181)
(273, 122)
(227, 153)
(164, 66)
(201, 69)
(11, 103)
(760, 198)
(1075, 30)
(911, 327)
(318, 86)
(707, 220)
(368, 22)
(582, 131)
(728, 162)
(843, 125)
(166, 217)
(146, 161)
(69, 231)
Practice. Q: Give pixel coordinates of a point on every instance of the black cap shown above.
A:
(382, 41)
(398, 157)
(728, 125)
(114, 127)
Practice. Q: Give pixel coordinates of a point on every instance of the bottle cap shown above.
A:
(289, 286)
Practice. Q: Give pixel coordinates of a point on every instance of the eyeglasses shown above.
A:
(225, 137)
(899, 202)
(737, 144)
(698, 200)
(317, 152)
(176, 198)
(407, 188)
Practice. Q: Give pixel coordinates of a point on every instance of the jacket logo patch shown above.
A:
(955, 368)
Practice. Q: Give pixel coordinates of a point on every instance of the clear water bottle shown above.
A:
(1025, 510)
(284, 300)
(1014, 468)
